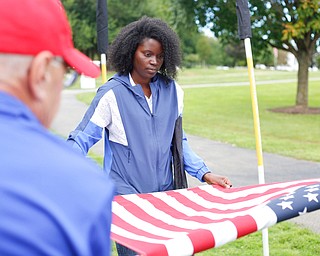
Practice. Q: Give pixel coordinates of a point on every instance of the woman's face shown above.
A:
(147, 60)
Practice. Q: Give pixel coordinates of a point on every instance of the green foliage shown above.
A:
(273, 22)
(211, 52)
(266, 57)
(191, 60)
(122, 12)
(292, 26)
(82, 17)
(204, 49)
(196, 48)
(307, 20)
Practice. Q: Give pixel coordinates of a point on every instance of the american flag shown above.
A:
(187, 221)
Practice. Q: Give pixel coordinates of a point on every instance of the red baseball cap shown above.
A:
(31, 26)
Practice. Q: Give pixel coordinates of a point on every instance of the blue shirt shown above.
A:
(53, 201)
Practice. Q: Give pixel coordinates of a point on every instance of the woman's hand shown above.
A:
(222, 181)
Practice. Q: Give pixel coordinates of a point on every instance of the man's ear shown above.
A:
(39, 74)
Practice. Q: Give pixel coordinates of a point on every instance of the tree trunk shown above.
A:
(303, 79)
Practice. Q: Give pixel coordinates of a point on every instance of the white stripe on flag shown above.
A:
(263, 216)
(179, 246)
(223, 232)
(136, 221)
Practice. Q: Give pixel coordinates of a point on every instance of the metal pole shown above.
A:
(256, 121)
(244, 24)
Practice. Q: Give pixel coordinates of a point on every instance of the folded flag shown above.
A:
(187, 221)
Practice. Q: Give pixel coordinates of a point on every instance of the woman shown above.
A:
(138, 108)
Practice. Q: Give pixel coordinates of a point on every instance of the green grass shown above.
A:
(212, 75)
(224, 113)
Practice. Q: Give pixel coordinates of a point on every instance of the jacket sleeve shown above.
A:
(83, 140)
(193, 164)
(90, 129)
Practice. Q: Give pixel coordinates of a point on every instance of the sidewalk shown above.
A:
(239, 164)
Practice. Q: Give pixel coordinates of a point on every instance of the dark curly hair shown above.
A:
(122, 50)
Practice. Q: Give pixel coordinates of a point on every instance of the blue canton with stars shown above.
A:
(299, 202)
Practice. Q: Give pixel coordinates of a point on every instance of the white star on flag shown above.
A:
(286, 205)
(311, 197)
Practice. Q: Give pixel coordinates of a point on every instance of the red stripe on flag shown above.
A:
(202, 240)
(245, 225)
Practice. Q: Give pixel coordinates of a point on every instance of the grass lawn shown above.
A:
(224, 113)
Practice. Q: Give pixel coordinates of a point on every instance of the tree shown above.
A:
(82, 16)
(213, 52)
(289, 25)
(204, 50)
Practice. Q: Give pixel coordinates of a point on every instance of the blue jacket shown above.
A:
(137, 140)
(53, 201)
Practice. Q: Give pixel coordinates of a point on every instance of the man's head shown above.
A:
(35, 48)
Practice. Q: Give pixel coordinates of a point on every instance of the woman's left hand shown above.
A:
(222, 181)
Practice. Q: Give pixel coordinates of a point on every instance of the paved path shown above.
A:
(239, 164)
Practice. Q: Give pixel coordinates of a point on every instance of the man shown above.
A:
(52, 200)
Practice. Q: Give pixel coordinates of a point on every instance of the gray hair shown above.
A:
(14, 66)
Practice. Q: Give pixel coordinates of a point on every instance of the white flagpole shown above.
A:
(244, 28)
(256, 121)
